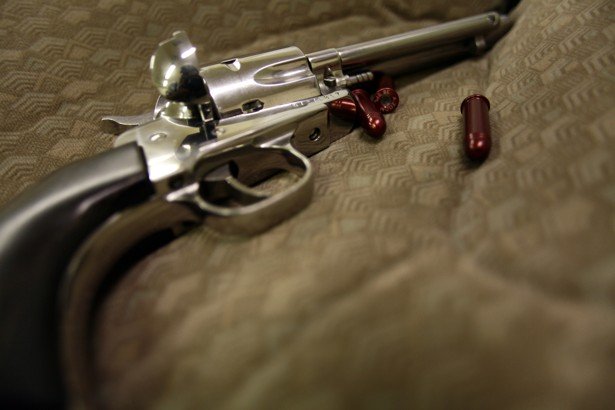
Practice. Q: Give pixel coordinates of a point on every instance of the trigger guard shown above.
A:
(267, 210)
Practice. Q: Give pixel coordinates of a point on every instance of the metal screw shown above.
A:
(314, 135)
(347, 80)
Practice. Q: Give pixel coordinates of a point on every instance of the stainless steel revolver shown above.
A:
(215, 132)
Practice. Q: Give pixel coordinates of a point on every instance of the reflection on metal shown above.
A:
(87, 272)
(267, 112)
(175, 70)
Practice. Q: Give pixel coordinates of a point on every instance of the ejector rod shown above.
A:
(460, 36)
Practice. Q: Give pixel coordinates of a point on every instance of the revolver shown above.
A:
(216, 132)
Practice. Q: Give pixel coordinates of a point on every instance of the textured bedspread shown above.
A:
(414, 279)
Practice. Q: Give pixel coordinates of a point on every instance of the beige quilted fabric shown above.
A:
(414, 279)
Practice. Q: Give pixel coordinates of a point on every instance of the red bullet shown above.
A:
(344, 108)
(385, 97)
(477, 137)
(370, 117)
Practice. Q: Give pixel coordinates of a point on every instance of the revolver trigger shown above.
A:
(244, 194)
(220, 184)
(115, 124)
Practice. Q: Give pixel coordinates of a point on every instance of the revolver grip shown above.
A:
(39, 233)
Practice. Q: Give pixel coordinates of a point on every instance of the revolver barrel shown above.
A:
(431, 45)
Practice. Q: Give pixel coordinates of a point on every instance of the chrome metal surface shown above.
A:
(116, 124)
(88, 270)
(364, 55)
(504, 25)
(326, 63)
(175, 70)
(166, 145)
(248, 84)
(218, 130)
(425, 59)
(180, 160)
(258, 212)
(344, 81)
